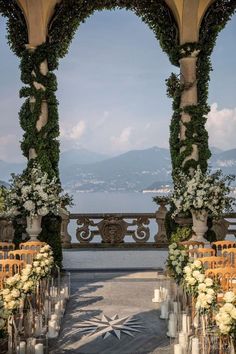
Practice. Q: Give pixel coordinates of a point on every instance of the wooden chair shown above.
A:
(220, 245)
(226, 277)
(214, 262)
(192, 244)
(3, 277)
(23, 255)
(7, 246)
(11, 266)
(230, 254)
(201, 252)
(2, 255)
(32, 245)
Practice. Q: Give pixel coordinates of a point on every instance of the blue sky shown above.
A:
(111, 89)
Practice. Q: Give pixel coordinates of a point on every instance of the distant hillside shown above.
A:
(79, 156)
(225, 160)
(133, 170)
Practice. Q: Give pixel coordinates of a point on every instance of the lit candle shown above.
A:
(164, 310)
(157, 296)
(195, 345)
(38, 348)
(177, 349)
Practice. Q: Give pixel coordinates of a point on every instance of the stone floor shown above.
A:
(95, 294)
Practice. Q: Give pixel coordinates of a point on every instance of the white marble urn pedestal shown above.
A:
(34, 227)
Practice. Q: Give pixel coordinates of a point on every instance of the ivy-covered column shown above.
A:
(189, 97)
(39, 120)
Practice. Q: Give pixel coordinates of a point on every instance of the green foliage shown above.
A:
(181, 234)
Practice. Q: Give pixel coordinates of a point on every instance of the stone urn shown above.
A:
(34, 227)
(199, 225)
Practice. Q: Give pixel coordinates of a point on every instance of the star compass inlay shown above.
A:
(114, 325)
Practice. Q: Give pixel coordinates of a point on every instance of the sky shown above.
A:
(111, 89)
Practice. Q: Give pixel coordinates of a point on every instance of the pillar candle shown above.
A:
(184, 323)
(38, 348)
(164, 310)
(183, 340)
(66, 292)
(47, 307)
(175, 307)
(52, 329)
(177, 349)
(22, 348)
(195, 345)
(58, 308)
(172, 326)
(157, 294)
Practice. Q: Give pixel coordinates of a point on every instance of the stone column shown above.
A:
(65, 237)
(189, 97)
(161, 236)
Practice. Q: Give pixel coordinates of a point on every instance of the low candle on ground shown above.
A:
(22, 348)
(164, 310)
(178, 349)
(38, 349)
(195, 345)
(157, 296)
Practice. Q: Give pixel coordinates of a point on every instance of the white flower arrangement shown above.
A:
(201, 287)
(177, 259)
(18, 286)
(33, 193)
(226, 316)
(202, 191)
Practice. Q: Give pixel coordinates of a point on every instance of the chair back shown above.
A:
(226, 277)
(3, 277)
(201, 252)
(23, 255)
(11, 266)
(32, 245)
(214, 262)
(7, 246)
(192, 244)
(230, 254)
(224, 244)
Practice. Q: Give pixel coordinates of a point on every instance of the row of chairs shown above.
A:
(219, 261)
(13, 261)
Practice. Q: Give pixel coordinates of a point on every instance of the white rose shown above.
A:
(43, 211)
(210, 291)
(209, 298)
(11, 305)
(24, 278)
(202, 287)
(35, 263)
(38, 270)
(229, 296)
(191, 280)
(8, 298)
(187, 270)
(208, 282)
(226, 318)
(29, 205)
(5, 291)
(228, 307)
(233, 313)
(196, 273)
(197, 264)
(201, 278)
(15, 293)
(224, 329)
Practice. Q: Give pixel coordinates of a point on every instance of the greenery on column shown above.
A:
(213, 22)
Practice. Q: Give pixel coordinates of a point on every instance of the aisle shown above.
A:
(111, 297)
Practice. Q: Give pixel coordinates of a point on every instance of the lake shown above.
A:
(113, 203)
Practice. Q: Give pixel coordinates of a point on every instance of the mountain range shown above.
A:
(136, 170)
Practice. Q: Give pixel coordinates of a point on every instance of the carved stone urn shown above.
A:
(199, 224)
(34, 227)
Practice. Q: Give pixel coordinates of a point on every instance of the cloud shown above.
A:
(10, 148)
(75, 132)
(123, 140)
(221, 126)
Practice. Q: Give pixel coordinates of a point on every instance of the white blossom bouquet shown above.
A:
(18, 286)
(32, 193)
(226, 316)
(201, 287)
(202, 191)
(176, 261)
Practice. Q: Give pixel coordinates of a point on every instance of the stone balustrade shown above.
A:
(122, 229)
